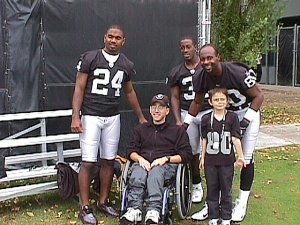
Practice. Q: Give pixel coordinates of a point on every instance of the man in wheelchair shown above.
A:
(155, 148)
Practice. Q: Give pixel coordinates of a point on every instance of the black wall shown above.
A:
(41, 41)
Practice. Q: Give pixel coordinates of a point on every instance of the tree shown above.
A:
(244, 29)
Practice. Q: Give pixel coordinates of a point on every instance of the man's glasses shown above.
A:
(157, 107)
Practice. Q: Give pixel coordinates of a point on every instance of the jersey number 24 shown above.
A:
(103, 80)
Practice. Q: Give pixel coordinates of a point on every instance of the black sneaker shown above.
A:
(87, 216)
(107, 209)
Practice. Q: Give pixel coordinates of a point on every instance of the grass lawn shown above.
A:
(274, 200)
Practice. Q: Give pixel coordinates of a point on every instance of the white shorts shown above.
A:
(250, 136)
(194, 131)
(100, 134)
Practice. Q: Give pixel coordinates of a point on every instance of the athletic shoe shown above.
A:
(87, 216)
(202, 214)
(225, 222)
(197, 193)
(132, 215)
(152, 217)
(239, 211)
(213, 222)
(107, 209)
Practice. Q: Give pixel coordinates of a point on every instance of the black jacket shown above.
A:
(153, 142)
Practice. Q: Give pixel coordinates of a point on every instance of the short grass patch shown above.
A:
(274, 199)
(280, 115)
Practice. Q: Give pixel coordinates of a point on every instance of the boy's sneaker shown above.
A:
(202, 214)
(152, 217)
(132, 215)
(87, 216)
(225, 222)
(197, 193)
(213, 222)
(239, 211)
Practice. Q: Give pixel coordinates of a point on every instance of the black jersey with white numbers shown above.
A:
(220, 133)
(236, 77)
(104, 83)
(182, 77)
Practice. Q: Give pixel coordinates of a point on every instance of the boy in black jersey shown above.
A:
(220, 132)
(101, 74)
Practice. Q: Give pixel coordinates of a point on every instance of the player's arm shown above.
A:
(175, 102)
(238, 147)
(80, 86)
(133, 101)
(258, 97)
(195, 107)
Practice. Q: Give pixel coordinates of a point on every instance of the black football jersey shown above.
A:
(237, 78)
(219, 149)
(104, 82)
(181, 76)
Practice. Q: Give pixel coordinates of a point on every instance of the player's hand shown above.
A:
(144, 164)
(244, 124)
(159, 162)
(143, 120)
(179, 123)
(240, 163)
(185, 125)
(76, 126)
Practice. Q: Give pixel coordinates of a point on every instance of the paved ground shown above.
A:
(278, 135)
(280, 88)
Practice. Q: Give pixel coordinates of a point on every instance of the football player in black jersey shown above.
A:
(180, 82)
(246, 98)
(101, 74)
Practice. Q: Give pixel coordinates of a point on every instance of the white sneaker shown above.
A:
(225, 222)
(132, 215)
(197, 193)
(239, 211)
(152, 217)
(213, 222)
(202, 214)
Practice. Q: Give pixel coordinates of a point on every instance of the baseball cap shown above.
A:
(163, 99)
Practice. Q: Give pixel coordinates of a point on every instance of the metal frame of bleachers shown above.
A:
(42, 139)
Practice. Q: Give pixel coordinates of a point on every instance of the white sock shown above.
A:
(197, 186)
(244, 195)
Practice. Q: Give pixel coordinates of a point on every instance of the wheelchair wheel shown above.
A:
(168, 201)
(183, 190)
(124, 177)
(167, 221)
(124, 187)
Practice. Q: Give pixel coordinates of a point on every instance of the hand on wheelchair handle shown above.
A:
(244, 124)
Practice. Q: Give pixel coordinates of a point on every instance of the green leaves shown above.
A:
(242, 32)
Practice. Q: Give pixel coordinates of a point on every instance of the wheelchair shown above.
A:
(177, 193)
